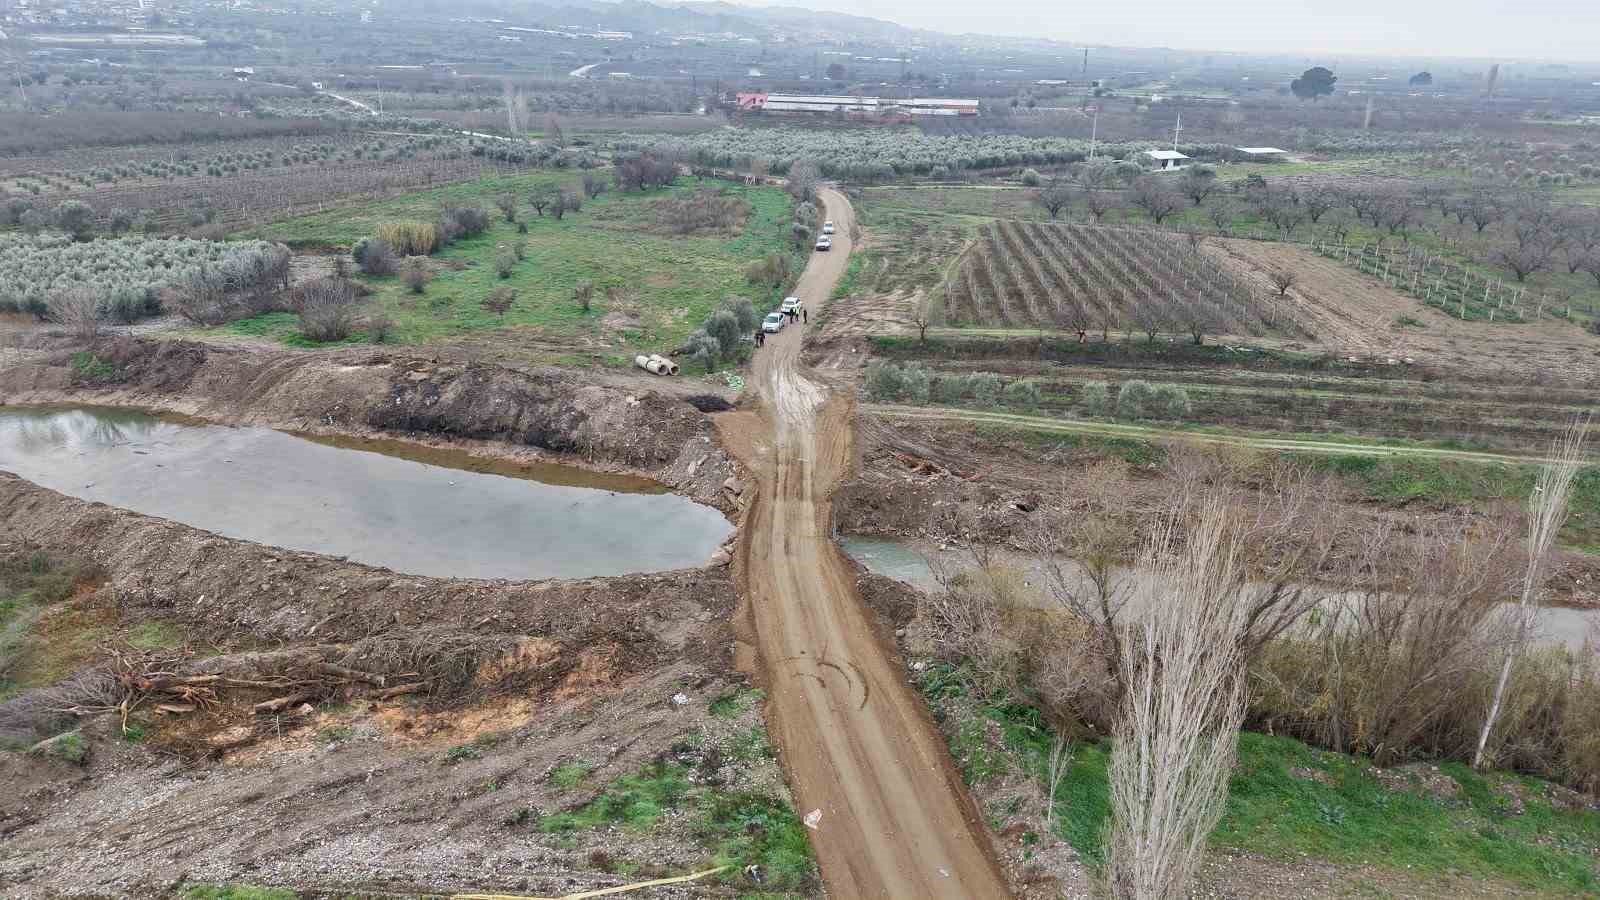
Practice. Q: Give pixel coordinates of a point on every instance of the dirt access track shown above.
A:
(857, 743)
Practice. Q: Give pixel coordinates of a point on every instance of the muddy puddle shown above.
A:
(914, 565)
(417, 510)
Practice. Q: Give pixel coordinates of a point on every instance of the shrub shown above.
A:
(520, 249)
(508, 206)
(374, 256)
(594, 185)
(883, 380)
(415, 274)
(1133, 399)
(499, 301)
(78, 309)
(1023, 393)
(705, 348)
(584, 295)
(327, 310)
(986, 387)
(457, 222)
(409, 238)
(773, 270)
(1032, 178)
(1168, 401)
(724, 326)
(379, 328)
(505, 261)
(915, 382)
(950, 388)
(75, 218)
(1095, 398)
(744, 311)
(705, 210)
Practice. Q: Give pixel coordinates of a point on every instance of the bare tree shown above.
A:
(1155, 197)
(1054, 197)
(541, 199)
(1525, 258)
(1482, 207)
(78, 309)
(1547, 512)
(924, 312)
(1318, 201)
(553, 132)
(1197, 183)
(1282, 279)
(1283, 212)
(1220, 212)
(804, 176)
(1181, 707)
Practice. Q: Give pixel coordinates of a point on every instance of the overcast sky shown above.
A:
(1427, 29)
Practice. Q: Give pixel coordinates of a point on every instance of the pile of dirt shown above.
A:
(489, 409)
(338, 728)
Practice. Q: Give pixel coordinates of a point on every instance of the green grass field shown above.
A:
(1293, 803)
(665, 285)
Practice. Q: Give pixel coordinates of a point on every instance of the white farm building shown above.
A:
(1166, 160)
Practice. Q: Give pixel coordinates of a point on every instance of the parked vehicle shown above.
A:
(824, 243)
(774, 323)
(827, 227)
(790, 305)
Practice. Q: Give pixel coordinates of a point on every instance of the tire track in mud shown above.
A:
(857, 743)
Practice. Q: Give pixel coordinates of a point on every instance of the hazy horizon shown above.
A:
(1428, 30)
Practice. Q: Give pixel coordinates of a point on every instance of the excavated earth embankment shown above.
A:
(494, 411)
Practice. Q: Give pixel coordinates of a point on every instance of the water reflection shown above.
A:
(420, 514)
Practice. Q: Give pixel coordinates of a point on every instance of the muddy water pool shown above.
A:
(416, 510)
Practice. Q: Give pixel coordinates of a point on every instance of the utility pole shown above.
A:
(1176, 129)
(1366, 123)
(1094, 129)
(1086, 60)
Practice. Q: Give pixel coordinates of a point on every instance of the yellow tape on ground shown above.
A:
(619, 889)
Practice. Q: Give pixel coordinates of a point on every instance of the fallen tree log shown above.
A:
(278, 703)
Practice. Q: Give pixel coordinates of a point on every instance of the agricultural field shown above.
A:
(229, 186)
(651, 286)
(1080, 277)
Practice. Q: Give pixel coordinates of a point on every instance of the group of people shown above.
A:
(795, 315)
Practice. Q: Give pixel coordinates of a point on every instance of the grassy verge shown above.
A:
(1291, 802)
(736, 828)
(32, 652)
(652, 287)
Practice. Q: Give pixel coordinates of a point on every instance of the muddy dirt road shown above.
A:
(857, 743)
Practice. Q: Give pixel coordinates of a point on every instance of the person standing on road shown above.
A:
(761, 337)
(804, 314)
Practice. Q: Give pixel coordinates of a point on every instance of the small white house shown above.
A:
(1166, 160)
(1262, 154)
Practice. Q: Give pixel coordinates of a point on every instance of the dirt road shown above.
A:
(857, 743)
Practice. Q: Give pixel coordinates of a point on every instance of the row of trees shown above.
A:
(1520, 231)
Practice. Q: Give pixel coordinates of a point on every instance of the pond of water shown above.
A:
(415, 510)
